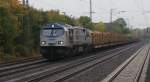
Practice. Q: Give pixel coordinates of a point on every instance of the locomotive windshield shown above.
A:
(53, 32)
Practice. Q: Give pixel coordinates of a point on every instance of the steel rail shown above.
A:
(114, 74)
(73, 65)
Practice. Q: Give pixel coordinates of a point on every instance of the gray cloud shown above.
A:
(102, 8)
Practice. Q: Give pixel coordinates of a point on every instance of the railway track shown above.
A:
(132, 70)
(20, 61)
(43, 70)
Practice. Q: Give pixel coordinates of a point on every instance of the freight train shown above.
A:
(58, 40)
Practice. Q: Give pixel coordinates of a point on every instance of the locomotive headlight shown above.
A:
(60, 42)
(43, 42)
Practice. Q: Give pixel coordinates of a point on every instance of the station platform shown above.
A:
(134, 69)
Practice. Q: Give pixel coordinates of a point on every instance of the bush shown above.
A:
(21, 51)
(1, 56)
(7, 57)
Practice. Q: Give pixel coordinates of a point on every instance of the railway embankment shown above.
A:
(92, 68)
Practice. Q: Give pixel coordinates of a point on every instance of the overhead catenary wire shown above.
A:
(141, 8)
(146, 18)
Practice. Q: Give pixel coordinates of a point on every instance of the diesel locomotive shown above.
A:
(58, 40)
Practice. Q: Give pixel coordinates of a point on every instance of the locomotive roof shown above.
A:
(65, 26)
(57, 25)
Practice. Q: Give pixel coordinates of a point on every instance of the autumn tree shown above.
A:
(9, 26)
(20, 27)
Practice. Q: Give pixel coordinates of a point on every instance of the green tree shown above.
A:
(85, 22)
(119, 26)
(9, 25)
(55, 16)
(121, 21)
(99, 27)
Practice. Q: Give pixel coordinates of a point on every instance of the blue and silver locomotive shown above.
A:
(58, 40)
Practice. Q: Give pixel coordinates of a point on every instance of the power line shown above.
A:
(142, 10)
(138, 6)
(142, 5)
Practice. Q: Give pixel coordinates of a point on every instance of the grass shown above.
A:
(15, 57)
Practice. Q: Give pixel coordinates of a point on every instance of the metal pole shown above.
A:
(27, 2)
(91, 10)
(26, 24)
(23, 2)
(64, 13)
(111, 15)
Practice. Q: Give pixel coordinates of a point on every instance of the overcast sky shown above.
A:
(134, 9)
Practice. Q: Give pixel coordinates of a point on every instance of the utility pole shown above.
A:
(111, 15)
(26, 25)
(25, 17)
(91, 11)
(27, 2)
(64, 13)
(23, 2)
(111, 18)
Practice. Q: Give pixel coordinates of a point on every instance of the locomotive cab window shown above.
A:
(53, 32)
